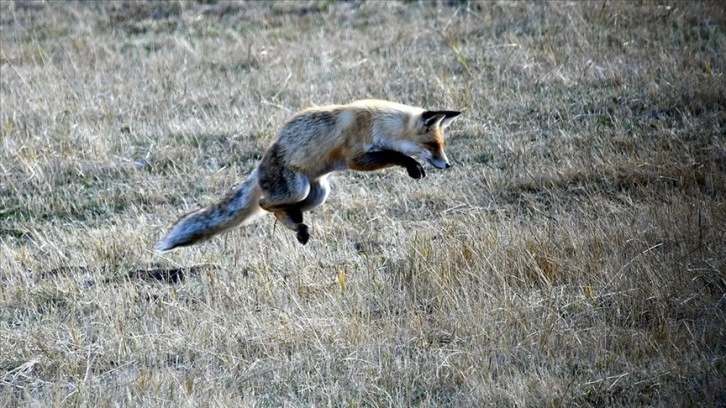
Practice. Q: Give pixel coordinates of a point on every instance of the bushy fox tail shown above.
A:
(238, 206)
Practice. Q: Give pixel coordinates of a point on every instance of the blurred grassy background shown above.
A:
(574, 254)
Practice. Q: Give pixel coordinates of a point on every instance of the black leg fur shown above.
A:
(386, 158)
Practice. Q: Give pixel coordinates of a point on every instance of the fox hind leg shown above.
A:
(283, 191)
(318, 193)
(319, 190)
(291, 216)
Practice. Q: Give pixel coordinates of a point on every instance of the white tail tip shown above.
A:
(162, 246)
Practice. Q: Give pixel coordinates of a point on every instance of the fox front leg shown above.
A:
(386, 158)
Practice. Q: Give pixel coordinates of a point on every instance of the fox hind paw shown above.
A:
(303, 235)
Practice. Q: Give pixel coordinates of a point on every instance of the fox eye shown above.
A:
(433, 145)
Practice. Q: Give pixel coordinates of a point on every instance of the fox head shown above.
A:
(429, 136)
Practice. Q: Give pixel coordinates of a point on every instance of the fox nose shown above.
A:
(440, 164)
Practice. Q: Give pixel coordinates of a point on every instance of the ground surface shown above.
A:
(574, 254)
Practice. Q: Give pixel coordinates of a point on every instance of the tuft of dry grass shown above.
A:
(574, 254)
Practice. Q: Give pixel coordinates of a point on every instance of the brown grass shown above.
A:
(574, 254)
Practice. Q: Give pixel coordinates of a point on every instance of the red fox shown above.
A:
(292, 176)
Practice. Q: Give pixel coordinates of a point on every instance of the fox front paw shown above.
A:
(416, 171)
(303, 235)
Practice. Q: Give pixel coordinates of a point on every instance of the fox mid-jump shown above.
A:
(292, 175)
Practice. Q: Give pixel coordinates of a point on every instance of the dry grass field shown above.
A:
(574, 255)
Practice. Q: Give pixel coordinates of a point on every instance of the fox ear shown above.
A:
(441, 118)
(450, 115)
